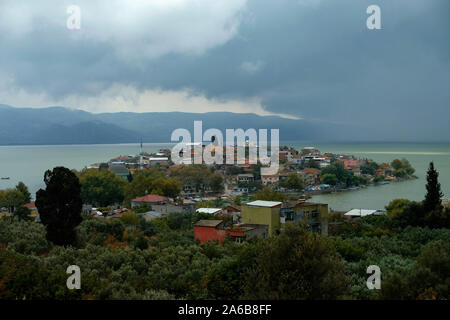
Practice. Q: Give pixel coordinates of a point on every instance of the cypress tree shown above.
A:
(59, 205)
(433, 196)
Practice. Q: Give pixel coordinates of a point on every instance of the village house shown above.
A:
(33, 211)
(150, 200)
(310, 151)
(157, 160)
(151, 215)
(209, 230)
(215, 230)
(311, 176)
(262, 213)
(386, 168)
(314, 214)
(291, 165)
(245, 178)
(297, 159)
(353, 166)
(283, 156)
(269, 179)
(120, 170)
(234, 211)
(169, 207)
(241, 232)
(121, 159)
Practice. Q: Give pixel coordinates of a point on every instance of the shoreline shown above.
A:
(356, 188)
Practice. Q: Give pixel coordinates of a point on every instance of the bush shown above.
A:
(130, 219)
(297, 265)
(23, 236)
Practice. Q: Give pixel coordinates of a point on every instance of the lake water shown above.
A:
(28, 164)
(376, 197)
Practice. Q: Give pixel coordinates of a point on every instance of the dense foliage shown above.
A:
(131, 258)
(134, 258)
(402, 168)
(336, 174)
(101, 187)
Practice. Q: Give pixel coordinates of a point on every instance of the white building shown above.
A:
(363, 212)
(212, 211)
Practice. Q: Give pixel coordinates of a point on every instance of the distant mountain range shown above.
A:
(59, 125)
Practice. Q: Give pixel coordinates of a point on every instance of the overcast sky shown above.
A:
(311, 59)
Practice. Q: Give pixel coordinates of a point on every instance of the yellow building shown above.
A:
(262, 212)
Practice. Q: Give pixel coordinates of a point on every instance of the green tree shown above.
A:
(407, 167)
(268, 195)
(166, 186)
(293, 182)
(312, 164)
(101, 188)
(196, 176)
(405, 213)
(397, 207)
(24, 189)
(11, 199)
(396, 164)
(206, 204)
(369, 168)
(201, 216)
(140, 186)
(130, 219)
(329, 178)
(59, 205)
(402, 168)
(435, 215)
(296, 265)
(140, 243)
(433, 196)
(143, 208)
(216, 182)
(151, 182)
(23, 213)
(338, 170)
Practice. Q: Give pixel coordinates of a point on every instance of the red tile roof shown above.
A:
(30, 205)
(150, 198)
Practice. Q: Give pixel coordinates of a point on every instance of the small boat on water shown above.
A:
(6, 178)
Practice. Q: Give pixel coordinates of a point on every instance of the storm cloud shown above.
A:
(311, 59)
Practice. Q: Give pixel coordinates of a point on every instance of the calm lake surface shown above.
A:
(376, 197)
(28, 164)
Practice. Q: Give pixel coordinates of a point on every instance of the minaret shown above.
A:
(140, 160)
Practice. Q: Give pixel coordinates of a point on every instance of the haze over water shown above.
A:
(28, 164)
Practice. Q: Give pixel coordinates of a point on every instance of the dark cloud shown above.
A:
(314, 59)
